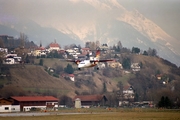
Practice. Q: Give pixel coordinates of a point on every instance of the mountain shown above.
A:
(36, 33)
(130, 27)
(77, 21)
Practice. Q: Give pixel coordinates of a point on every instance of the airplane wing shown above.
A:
(101, 60)
(105, 60)
(75, 61)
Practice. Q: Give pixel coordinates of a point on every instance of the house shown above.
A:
(15, 60)
(74, 52)
(11, 55)
(159, 76)
(9, 61)
(135, 67)
(70, 76)
(101, 65)
(5, 38)
(12, 59)
(61, 51)
(128, 92)
(91, 100)
(6, 106)
(28, 102)
(54, 46)
(85, 51)
(115, 65)
(4, 101)
(39, 51)
(128, 96)
(4, 50)
(81, 57)
(104, 47)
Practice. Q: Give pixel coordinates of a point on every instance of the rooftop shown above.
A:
(54, 45)
(34, 98)
(90, 97)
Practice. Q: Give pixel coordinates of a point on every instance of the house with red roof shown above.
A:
(70, 76)
(85, 51)
(159, 76)
(91, 100)
(54, 46)
(28, 102)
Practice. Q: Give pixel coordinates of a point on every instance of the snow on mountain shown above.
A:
(100, 29)
(154, 33)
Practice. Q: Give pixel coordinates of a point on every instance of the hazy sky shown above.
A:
(165, 13)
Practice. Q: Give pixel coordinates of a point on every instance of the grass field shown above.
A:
(114, 114)
(123, 79)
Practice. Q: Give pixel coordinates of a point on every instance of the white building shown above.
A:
(14, 60)
(135, 67)
(128, 96)
(5, 50)
(9, 108)
(128, 92)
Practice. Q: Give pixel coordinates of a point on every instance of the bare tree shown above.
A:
(1, 43)
(23, 38)
(119, 44)
(2, 52)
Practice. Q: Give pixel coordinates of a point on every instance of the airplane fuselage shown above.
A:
(93, 61)
(87, 63)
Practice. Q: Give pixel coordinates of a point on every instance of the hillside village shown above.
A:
(133, 77)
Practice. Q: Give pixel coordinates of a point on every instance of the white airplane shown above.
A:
(89, 63)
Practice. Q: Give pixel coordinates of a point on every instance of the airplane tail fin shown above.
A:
(97, 54)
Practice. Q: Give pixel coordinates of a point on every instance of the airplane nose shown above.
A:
(79, 66)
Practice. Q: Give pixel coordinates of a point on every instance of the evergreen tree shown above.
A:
(120, 85)
(55, 54)
(141, 64)
(126, 63)
(66, 101)
(27, 59)
(145, 53)
(152, 52)
(118, 49)
(41, 62)
(119, 44)
(69, 69)
(104, 88)
(165, 102)
(1, 43)
(161, 102)
(135, 50)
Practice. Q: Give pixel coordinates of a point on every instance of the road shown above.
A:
(36, 114)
